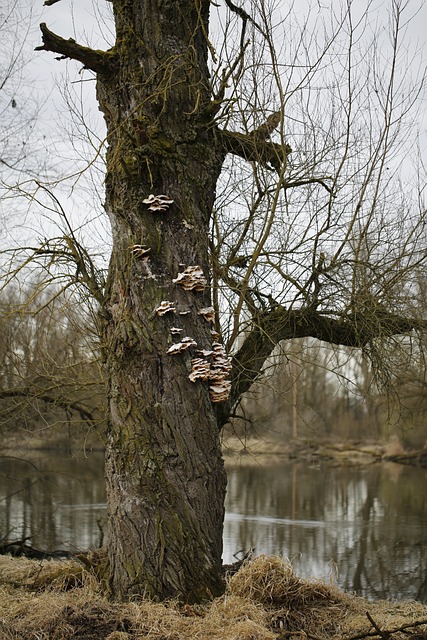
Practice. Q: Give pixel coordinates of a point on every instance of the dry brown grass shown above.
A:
(295, 603)
(264, 600)
(38, 575)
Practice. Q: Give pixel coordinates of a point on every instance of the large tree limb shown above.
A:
(279, 324)
(98, 61)
(253, 149)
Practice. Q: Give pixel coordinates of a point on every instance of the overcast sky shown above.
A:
(88, 23)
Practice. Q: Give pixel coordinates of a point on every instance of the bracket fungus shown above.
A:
(191, 278)
(220, 391)
(182, 346)
(158, 203)
(221, 363)
(165, 307)
(200, 369)
(214, 366)
(208, 313)
(220, 387)
(175, 330)
(140, 250)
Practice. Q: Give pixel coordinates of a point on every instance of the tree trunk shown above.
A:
(165, 476)
(164, 470)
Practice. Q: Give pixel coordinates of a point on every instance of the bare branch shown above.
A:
(283, 324)
(98, 61)
(243, 15)
(85, 414)
(302, 183)
(377, 632)
(252, 149)
(218, 98)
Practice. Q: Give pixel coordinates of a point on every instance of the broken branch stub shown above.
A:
(191, 279)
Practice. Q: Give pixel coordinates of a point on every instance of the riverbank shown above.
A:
(265, 600)
(251, 450)
(355, 452)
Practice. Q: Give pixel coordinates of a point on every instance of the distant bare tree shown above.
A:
(49, 366)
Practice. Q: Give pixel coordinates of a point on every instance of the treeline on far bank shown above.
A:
(52, 390)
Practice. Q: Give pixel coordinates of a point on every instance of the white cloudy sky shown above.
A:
(87, 22)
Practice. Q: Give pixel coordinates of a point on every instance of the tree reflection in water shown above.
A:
(54, 501)
(366, 525)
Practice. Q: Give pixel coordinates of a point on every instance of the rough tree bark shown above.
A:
(165, 476)
(164, 470)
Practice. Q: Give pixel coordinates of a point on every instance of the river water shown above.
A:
(364, 527)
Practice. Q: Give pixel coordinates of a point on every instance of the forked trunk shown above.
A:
(165, 475)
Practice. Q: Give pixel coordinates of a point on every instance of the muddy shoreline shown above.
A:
(356, 452)
(238, 450)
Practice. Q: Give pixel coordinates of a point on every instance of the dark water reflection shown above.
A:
(367, 526)
(58, 502)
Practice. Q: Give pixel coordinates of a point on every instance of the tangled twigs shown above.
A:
(386, 633)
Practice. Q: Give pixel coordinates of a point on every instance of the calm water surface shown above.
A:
(366, 526)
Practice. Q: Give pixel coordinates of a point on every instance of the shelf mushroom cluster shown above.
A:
(175, 330)
(158, 203)
(182, 346)
(200, 369)
(165, 307)
(220, 387)
(208, 313)
(191, 279)
(211, 365)
(214, 366)
(140, 250)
